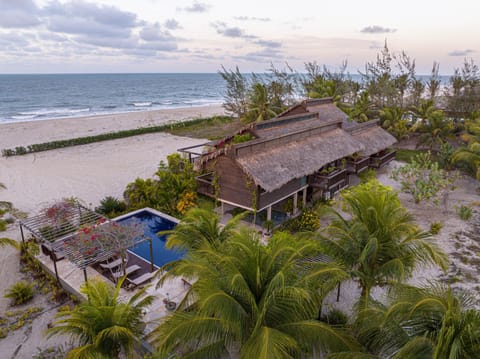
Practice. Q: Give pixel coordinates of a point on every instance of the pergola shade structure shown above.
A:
(68, 229)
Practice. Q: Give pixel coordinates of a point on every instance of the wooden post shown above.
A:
(338, 292)
(304, 197)
(222, 209)
(53, 257)
(295, 203)
(269, 213)
(21, 232)
(151, 255)
(85, 275)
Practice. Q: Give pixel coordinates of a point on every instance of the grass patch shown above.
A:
(211, 128)
(406, 155)
(201, 127)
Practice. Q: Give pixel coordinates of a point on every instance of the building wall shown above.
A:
(233, 183)
(267, 198)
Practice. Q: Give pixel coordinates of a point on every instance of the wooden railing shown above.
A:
(378, 161)
(358, 165)
(205, 185)
(337, 180)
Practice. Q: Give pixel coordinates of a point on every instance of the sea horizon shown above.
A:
(28, 97)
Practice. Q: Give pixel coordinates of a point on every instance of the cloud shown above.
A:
(231, 31)
(268, 43)
(198, 7)
(461, 52)
(85, 18)
(101, 14)
(250, 18)
(375, 29)
(14, 40)
(18, 14)
(154, 32)
(172, 24)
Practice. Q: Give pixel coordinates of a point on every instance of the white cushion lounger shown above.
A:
(140, 280)
(128, 271)
(112, 264)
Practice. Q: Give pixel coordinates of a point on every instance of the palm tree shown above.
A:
(427, 322)
(4, 204)
(434, 130)
(103, 325)
(8, 242)
(469, 157)
(200, 227)
(362, 109)
(252, 300)
(378, 242)
(393, 120)
(259, 106)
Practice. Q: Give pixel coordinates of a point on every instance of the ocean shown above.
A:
(40, 97)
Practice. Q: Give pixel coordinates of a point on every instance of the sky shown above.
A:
(76, 36)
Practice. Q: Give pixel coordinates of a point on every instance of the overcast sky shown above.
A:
(52, 36)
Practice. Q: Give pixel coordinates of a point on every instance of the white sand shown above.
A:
(27, 133)
(88, 172)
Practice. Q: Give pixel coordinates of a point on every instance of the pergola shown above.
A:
(60, 237)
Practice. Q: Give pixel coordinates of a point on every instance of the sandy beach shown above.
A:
(88, 172)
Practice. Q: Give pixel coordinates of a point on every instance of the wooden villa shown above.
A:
(307, 152)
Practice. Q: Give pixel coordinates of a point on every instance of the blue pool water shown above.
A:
(153, 223)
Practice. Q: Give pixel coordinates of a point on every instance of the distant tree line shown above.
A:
(443, 117)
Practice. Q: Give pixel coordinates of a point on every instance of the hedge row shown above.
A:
(21, 150)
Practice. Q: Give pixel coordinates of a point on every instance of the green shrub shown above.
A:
(10, 220)
(307, 221)
(464, 212)
(435, 227)
(111, 206)
(20, 293)
(367, 175)
(335, 317)
(3, 225)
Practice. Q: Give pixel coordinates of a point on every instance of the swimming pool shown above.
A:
(153, 222)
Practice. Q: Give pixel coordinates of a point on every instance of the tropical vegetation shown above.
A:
(252, 300)
(377, 241)
(103, 326)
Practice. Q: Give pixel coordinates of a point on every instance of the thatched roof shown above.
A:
(325, 109)
(373, 137)
(277, 165)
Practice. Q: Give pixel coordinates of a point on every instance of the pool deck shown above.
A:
(72, 278)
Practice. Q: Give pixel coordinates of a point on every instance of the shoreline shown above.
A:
(6, 121)
(24, 133)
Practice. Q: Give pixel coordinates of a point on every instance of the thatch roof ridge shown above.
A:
(360, 126)
(305, 103)
(374, 138)
(262, 140)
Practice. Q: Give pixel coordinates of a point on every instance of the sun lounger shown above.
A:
(140, 280)
(128, 270)
(115, 263)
